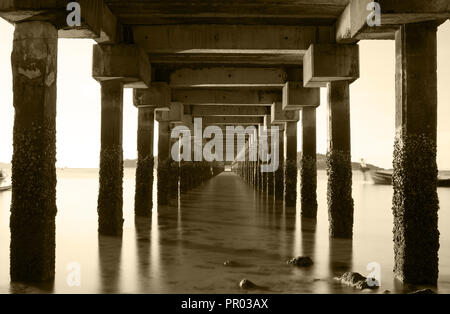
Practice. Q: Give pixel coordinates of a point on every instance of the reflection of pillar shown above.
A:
(339, 168)
(308, 171)
(144, 170)
(279, 173)
(415, 202)
(290, 164)
(33, 205)
(109, 258)
(110, 199)
(163, 163)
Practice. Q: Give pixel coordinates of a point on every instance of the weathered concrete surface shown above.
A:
(175, 114)
(110, 198)
(223, 111)
(325, 63)
(290, 164)
(243, 121)
(308, 170)
(226, 97)
(352, 24)
(415, 201)
(339, 168)
(157, 95)
(33, 204)
(143, 200)
(295, 96)
(126, 62)
(278, 115)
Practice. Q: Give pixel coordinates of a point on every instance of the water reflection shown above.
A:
(109, 257)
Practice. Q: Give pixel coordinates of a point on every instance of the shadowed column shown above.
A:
(279, 173)
(33, 204)
(308, 170)
(415, 201)
(339, 168)
(290, 164)
(163, 163)
(144, 171)
(110, 199)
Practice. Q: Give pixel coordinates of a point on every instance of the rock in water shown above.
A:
(247, 284)
(229, 263)
(301, 261)
(423, 291)
(356, 280)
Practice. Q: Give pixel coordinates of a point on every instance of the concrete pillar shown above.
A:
(144, 171)
(339, 167)
(415, 201)
(270, 175)
(279, 173)
(110, 199)
(290, 164)
(174, 173)
(308, 171)
(163, 163)
(33, 204)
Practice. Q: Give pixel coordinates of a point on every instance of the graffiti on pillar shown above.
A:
(374, 17)
(74, 17)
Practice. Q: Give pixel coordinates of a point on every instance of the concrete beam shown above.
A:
(124, 62)
(97, 21)
(324, 63)
(210, 77)
(232, 120)
(295, 96)
(226, 97)
(352, 24)
(224, 111)
(278, 115)
(175, 114)
(157, 95)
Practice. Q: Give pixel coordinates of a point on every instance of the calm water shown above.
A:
(182, 249)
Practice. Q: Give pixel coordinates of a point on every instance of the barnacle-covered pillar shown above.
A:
(144, 172)
(163, 163)
(339, 166)
(290, 164)
(415, 201)
(110, 199)
(308, 170)
(33, 204)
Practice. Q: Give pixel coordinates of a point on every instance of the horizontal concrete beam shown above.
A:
(125, 62)
(278, 115)
(216, 77)
(175, 114)
(97, 21)
(352, 24)
(245, 111)
(295, 96)
(226, 97)
(157, 95)
(232, 120)
(324, 63)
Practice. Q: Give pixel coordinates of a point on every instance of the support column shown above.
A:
(33, 204)
(339, 167)
(110, 198)
(279, 173)
(415, 201)
(144, 171)
(290, 164)
(163, 163)
(270, 174)
(174, 173)
(308, 171)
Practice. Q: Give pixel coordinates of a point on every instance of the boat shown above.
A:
(384, 177)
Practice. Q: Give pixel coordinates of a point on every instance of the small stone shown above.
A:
(356, 280)
(247, 284)
(301, 261)
(229, 263)
(423, 291)
(386, 292)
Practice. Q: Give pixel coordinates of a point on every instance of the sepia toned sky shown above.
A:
(78, 104)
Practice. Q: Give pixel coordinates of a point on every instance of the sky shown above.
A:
(372, 99)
